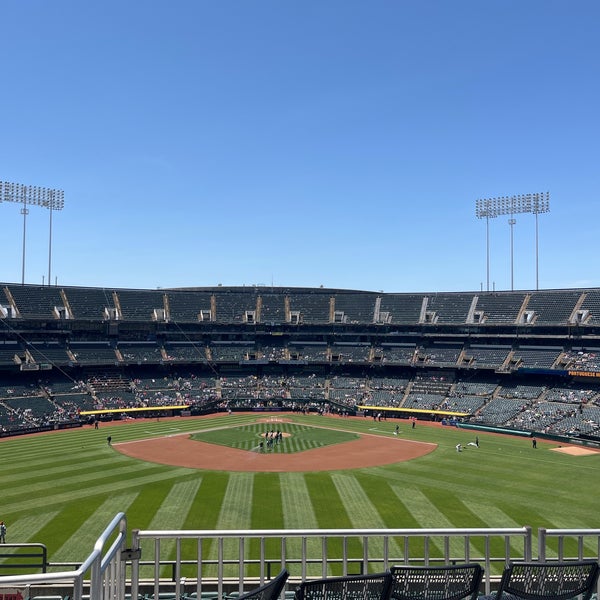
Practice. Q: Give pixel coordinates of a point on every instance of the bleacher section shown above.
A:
(501, 308)
(523, 360)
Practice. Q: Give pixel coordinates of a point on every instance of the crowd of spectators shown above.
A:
(564, 410)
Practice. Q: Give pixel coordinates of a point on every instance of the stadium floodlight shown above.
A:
(486, 209)
(33, 195)
(490, 208)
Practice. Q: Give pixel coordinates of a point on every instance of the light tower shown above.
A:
(33, 195)
(490, 208)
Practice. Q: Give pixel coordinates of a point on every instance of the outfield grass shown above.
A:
(62, 489)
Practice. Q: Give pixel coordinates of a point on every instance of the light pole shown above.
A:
(33, 195)
(485, 209)
(510, 205)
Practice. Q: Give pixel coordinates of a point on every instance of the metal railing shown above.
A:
(219, 558)
(565, 544)
(103, 570)
(220, 561)
(24, 557)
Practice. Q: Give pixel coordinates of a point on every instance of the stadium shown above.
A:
(489, 374)
(292, 319)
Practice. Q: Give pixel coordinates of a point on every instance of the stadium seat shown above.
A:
(269, 591)
(351, 587)
(444, 582)
(550, 580)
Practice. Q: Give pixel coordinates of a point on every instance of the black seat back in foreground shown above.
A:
(270, 590)
(550, 580)
(351, 587)
(444, 582)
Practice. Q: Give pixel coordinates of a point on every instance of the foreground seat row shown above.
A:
(520, 581)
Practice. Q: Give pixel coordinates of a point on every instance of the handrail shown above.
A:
(19, 554)
(96, 564)
(243, 557)
(382, 547)
(577, 536)
(561, 535)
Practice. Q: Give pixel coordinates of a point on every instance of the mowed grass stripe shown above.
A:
(362, 512)
(267, 513)
(454, 512)
(171, 514)
(298, 512)
(494, 517)
(324, 495)
(422, 511)
(28, 503)
(91, 528)
(236, 513)
(33, 471)
(27, 526)
(236, 510)
(52, 485)
(266, 505)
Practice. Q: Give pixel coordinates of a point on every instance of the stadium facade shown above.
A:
(523, 361)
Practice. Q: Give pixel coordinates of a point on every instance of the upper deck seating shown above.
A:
(402, 308)
(8, 351)
(310, 307)
(355, 307)
(140, 305)
(189, 306)
(553, 307)
(591, 307)
(272, 308)
(235, 306)
(449, 308)
(90, 303)
(36, 302)
(500, 308)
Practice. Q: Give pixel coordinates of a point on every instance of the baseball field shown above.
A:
(225, 472)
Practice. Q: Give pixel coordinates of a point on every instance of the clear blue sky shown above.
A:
(301, 143)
